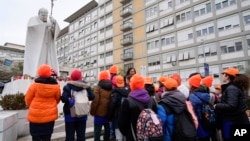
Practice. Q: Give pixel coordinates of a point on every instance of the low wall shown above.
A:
(8, 126)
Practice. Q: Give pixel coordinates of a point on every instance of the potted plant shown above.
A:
(16, 103)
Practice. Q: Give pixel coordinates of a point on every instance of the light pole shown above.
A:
(206, 66)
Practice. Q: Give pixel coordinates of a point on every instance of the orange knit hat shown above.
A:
(170, 83)
(162, 79)
(136, 82)
(104, 75)
(44, 70)
(148, 80)
(195, 80)
(231, 71)
(76, 75)
(119, 80)
(113, 69)
(176, 77)
(208, 81)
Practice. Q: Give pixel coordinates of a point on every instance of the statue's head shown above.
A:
(43, 14)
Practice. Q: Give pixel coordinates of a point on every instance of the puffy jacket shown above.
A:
(66, 95)
(42, 98)
(233, 101)
(195, 99)
(100, 104)
(175, 101)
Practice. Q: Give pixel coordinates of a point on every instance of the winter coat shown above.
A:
(100, 104)
(129, 112)
(231, 109)
(118, 95)
(233, 102)
(195, 99)
(66, 95)
(42, 98)
(176, 102)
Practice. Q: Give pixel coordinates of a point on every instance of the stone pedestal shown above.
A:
(8, 126)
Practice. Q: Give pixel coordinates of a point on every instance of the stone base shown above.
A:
(8, 126)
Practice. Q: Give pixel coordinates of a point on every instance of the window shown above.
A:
(110, 53)
(165, 22)
(110, 40)
(208, 50)
(202, 9)
(153, 44)
(231, 46)
(152, 11)
(154, 61)
(220, 4)
(183, 16)
(108, 27)
(170, 39)
(228, 23)
(151, 27)
(186, 55)
(246, 17)
(168, 58)
(166, 4)
(127, 66)
(185, 35)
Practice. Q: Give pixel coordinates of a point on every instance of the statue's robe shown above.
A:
(40, 46)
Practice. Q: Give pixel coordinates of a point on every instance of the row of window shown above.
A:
(228, 46)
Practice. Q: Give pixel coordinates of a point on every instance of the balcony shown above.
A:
(126, 12)
(124, 1)
(127, 41)
(127, 56)
(126, 26)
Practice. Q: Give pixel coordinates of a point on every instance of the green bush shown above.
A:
(13, 102)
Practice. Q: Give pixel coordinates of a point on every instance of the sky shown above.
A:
(15, 14)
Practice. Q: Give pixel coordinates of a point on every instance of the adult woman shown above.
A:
(131, 71)
(233, 100)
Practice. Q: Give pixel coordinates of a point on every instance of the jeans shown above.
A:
(98, 129)
(78, 127)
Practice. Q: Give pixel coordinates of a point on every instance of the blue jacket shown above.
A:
(197, 105)
(77, 86)
(176, 102)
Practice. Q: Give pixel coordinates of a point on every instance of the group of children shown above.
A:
(116, 98)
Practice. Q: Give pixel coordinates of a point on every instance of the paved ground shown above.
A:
(59, 131)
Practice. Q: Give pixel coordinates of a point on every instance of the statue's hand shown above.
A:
(53, 21)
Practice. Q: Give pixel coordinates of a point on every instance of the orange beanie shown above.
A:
(195, 80)
(176, 77)
(162, 79)
(170, 83)
(136, 82)
(148, 80)
(76, 75)
(44, 71)
(119, 80)
(104, 75)
(113, 69)
(208, 81)
(231, 71)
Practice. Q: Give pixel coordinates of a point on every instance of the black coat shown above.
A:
(233, 104)
(115, 103)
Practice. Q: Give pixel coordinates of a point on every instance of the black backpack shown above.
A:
(184, 127)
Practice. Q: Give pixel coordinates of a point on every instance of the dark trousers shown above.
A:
(78, 127)
(98, 130)
(41, 138)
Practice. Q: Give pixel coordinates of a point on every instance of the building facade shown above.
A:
(158, 37)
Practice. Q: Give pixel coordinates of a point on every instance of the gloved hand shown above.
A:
(71, 102)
